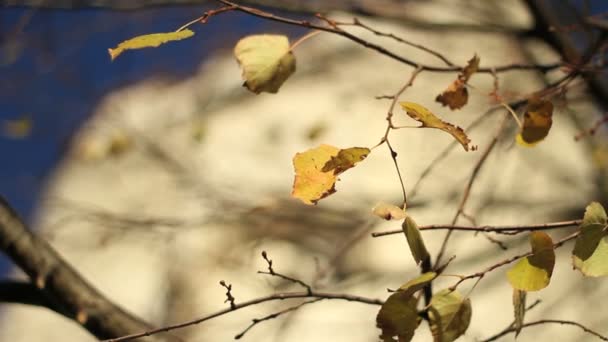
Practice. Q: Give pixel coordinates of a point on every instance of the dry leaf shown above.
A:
(457, 95)
(537, 122)
(317, 170)
(149, 40)
(430, 120)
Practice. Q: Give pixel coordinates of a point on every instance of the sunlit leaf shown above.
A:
(149, 40)
(418, 283)
(18, 128)
(533, 273)
(449, 315)
(398, 317)
(457, 95)
(537, 122)
(266, 60)
(430, 120)
(519, 309)
(414, 240)
(345, 159)
(590, 254)
(388, 211)
(316, 170)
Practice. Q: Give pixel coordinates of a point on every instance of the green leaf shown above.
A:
(590, 254)
(314, 180)
(418, 283)
(519, 309)
(149, 40)
(449, 315)
(414, 240)
(398, 317)
(533, 273)
(430, 120)
(266, 60)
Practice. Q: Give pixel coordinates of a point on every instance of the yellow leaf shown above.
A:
(590, 254)
(17, 129)
(537, 122)
(457, 95)
(430, 120)
(345, 159)
(317, 170)
(149, 40)
(388, 211)
(533, 273)
(266, 60)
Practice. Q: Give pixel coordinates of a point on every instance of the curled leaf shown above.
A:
(414, 240)
(266, 60)
(457, 95)
(345, 159)
(590, 254)
(418, 283)
(449, 315)
(519, 309)
(316, 170)
(533, 273)
(537, 122)
(398, 317)
(149, 40)
(388, 211)
(430, 120)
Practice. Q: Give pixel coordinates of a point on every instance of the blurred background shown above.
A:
(158, 175)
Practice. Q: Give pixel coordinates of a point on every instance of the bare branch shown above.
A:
(508, 230)
(269, 298)
(60, 283)
(547, 321)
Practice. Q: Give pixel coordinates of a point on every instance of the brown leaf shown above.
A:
(537, 122)
(455, 97)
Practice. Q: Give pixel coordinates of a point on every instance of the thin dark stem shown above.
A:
(547, 321)
(469, 186)
(338, 31)
(241, 305)
(508, 230)
(282, 276)
(274, 315)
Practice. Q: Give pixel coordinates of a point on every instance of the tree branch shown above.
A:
(508, 230)
(59, 285)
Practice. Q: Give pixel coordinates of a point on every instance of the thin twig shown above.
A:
(472, 178)
(482, 274)
(274, 315)
(508, 230)
(282, 276)
(547, 321)
(256, 301)
(338, 31)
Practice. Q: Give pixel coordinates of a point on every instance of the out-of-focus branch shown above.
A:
(58, 285)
